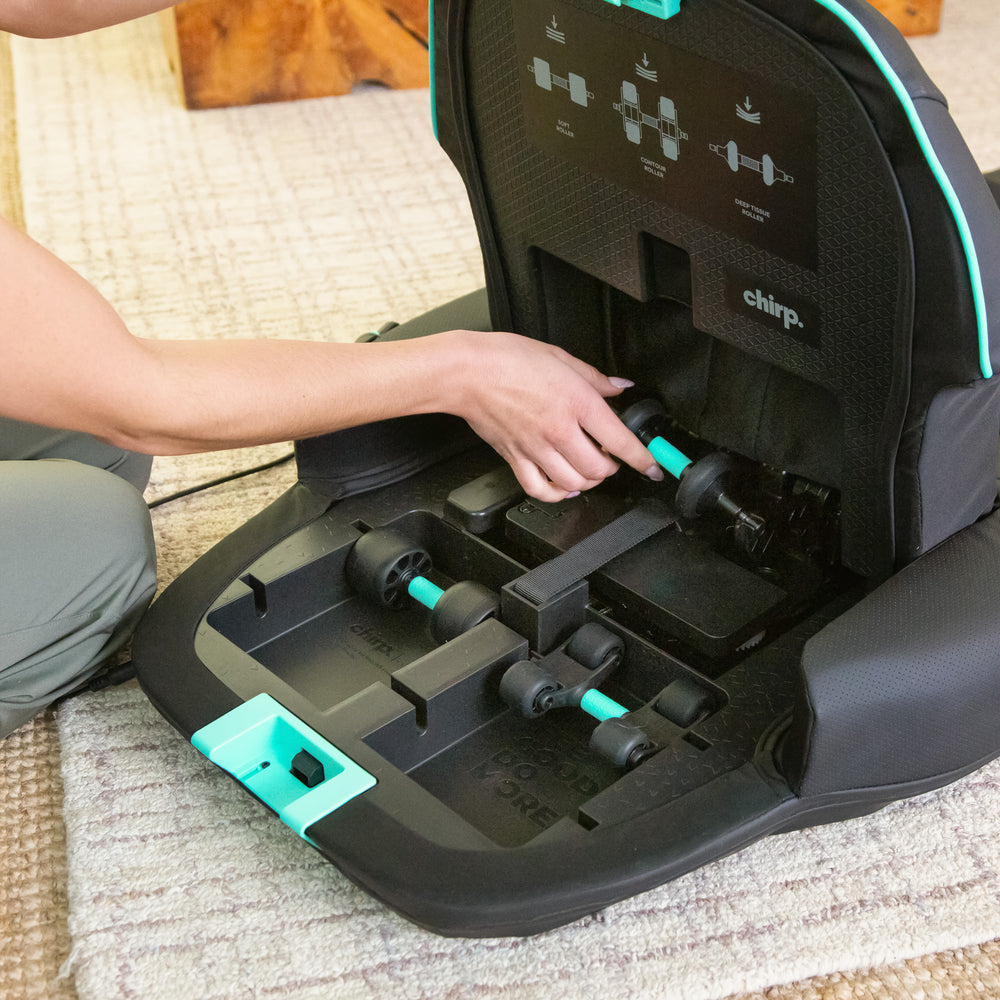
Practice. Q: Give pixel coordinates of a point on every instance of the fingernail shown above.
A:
(569, 496)
(655, 473)
(621, 383)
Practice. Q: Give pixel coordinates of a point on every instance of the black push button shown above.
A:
(307, 769)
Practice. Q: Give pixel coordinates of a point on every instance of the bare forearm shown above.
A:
(53, 18)
(67, 360)
(206, 395)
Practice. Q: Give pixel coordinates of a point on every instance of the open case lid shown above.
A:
(760, 210)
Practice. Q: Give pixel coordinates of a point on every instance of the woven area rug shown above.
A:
(322, 219)
(175, 875)
(32, 839)
(32, 865)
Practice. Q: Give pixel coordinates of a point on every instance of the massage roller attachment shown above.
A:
(568, 678)
(384, 564)
(702, 486)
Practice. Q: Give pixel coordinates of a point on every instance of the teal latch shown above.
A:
(287, 765)
(658, 8)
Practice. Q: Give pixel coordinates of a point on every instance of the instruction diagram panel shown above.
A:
(735, 150)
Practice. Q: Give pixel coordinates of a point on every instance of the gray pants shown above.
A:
(77, 566)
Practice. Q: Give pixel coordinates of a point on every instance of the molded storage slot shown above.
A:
(514, 778)
(672, 585)
(667, 271)
(317, 635)
(294, 612)
(333, 656)
(454, 690)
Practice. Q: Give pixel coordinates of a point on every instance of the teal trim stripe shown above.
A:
(965, 232)
(430, 61)
(658, 8)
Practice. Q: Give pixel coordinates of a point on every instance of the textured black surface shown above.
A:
(905, 685)
(861, 286)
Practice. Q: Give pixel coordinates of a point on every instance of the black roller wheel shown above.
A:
(382, 563)
(622, 744)
(703, 483)
(685, 702)
(461, 607)
(591, 645)
(524, 687)
(642, 418)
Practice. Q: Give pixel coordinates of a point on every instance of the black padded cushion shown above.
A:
(942, 478)
(881, 680)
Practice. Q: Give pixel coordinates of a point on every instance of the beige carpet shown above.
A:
(273, 221)
(33, 901)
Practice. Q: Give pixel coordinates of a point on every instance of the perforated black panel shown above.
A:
(861, 288)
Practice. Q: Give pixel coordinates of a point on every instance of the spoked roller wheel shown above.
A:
(383, 562)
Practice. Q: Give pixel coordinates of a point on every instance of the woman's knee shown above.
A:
(21, 441)
(78, 543)
(117, 525)
(63, 521)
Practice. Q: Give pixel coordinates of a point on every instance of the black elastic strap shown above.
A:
(586, 557)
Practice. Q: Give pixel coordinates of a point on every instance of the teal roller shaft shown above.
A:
(674, 461)
(601, 707)
(421, 589)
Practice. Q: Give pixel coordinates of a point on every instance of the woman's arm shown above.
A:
(52, 18)
(67, 360)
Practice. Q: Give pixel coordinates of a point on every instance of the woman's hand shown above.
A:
(545, 412)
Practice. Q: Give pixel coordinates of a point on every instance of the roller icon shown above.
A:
(665, 122)
(764, 166)
(575, 84)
